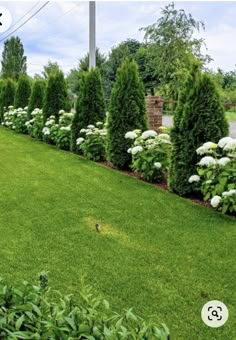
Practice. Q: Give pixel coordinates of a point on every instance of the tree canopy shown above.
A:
(173, 47)
(13, 59)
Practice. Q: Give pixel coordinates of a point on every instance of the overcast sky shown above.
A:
(60, 31)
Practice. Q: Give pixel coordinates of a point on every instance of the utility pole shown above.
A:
(92, 34)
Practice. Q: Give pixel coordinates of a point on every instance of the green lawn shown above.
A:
(157, 252)
(231, 116)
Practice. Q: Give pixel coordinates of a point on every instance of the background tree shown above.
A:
(147, 69)
(75, 75)
(56, 96)
(37, 96)
(127, 112)
(126, 49)
(13, 59)
(91, 103)
(100, 61)
(7, 95)
(199, 118)
(23, 92)
(173, 46)
(76, 124)
(50, 68)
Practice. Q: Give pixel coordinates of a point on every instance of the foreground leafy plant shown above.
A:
(36, 312)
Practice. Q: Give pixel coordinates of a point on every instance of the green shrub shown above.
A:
(127, 112)
(23, 91)
(56, 97)
(90, 106)
(150, 154)
(37, 96)
(199, 117)
(34, 312)
(216, 174)
(76, 123)
(7, 96)
(93, 144)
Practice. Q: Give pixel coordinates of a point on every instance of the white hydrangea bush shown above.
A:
(35, 124)
(15, 119)
(92, 142)
(150, 153)
(50, 130)
(59, 134)
(216, 174)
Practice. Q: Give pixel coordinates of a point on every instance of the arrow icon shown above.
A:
(0, 16)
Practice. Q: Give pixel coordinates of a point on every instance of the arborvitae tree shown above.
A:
(127, 112)
(56, 96)
(23, 92)
(91, 106)
(199, 118)
(76, 125)
(13, 59)
(1, 87)
(37, 96)
(7, 95)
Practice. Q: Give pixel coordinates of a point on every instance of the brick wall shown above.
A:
(154, 106)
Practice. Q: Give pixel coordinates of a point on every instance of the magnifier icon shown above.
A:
(214, 313)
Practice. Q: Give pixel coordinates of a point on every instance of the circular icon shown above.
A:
(5, 19)
(215, 313)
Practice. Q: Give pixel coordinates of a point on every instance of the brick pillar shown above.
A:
(154, 105)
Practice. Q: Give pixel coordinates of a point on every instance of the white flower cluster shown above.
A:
(207, 161)
(157, 165)
(136, 149)
(148, 134)
(194, 179)
(229, 193)
(50, 121)
(65, 128)
(223, 161)
(14, 117)
(79, 141)
(228, 144)
(206, 148)
(46, 131)
(131, 135)
(217, 200)
(94, 130)
(36, 112)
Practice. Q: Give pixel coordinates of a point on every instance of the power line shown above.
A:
(22, 17)
(25, 22)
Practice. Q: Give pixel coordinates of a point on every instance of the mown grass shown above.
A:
(231, 116)
(157, 252)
